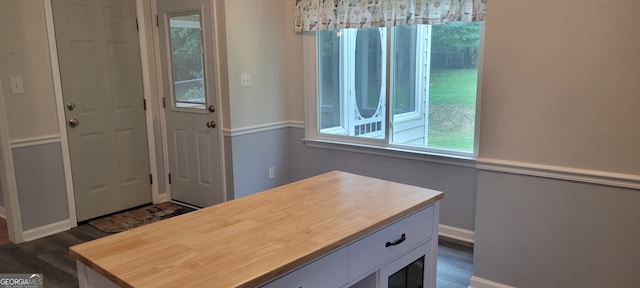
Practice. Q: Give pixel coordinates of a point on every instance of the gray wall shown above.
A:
(456, 181)
(538, 232)
(40, 180)
(253, 154)
(560, 89)
(294, 160)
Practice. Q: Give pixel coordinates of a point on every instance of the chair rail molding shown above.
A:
(35, 141)
(559, 172)
(261, 128)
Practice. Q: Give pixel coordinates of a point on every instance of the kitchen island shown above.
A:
(332, 230)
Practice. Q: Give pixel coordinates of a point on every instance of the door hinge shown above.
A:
(144, 104)
(157, 21)
(169, 178)
(164, 102)
(151, 179)
(137, 25)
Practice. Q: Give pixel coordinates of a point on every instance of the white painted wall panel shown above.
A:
(24, 52)
(256, 45)
(560, 84)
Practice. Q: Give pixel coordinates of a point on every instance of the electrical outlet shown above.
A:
(272, 172)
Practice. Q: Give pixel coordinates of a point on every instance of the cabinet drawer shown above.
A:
(370, 252)
(328, 271)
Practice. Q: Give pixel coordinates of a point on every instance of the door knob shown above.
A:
(211, 124)
(73, 122)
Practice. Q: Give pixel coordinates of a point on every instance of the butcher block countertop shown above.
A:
(251, 240)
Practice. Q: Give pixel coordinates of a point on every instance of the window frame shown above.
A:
(314, 138)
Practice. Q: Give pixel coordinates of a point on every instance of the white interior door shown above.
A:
(185, 31)
(102, 89)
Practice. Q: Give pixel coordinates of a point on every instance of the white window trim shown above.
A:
(314, 138)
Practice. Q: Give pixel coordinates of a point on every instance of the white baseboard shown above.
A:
(456, 233)
(3, 212)
(477, 282)
(46, 230)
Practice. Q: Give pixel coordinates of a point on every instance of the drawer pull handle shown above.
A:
(397, 242)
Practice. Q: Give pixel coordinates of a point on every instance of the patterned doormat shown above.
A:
(137, 217)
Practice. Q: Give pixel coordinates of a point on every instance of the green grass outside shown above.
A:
(454, 86)
(452, 102)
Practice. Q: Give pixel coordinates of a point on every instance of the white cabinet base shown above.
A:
(89, 278)
(369, 261)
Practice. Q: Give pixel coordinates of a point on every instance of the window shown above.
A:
(186, 60)
(408, 87)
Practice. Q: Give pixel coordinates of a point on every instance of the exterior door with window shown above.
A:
(102, 90)
(186, 47)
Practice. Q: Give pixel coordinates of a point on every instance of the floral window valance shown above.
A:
(314, 15)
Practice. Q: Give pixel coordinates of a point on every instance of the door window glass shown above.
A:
(185, 37)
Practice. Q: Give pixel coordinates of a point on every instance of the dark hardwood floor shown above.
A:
(50, 257)
(455, 264)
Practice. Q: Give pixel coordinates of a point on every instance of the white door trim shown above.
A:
(62, 122)
(9, 186)
(160, 92)
(146, 83)
(221, 87)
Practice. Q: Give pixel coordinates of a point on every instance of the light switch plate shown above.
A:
(245, 80)
(16, 85)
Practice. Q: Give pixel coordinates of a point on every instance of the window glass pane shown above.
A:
(409, 80)
(329, 79)
(433, 76)
(368, 71)
(367, 83)
(186, 60)
(453, 85)
(404, 69)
